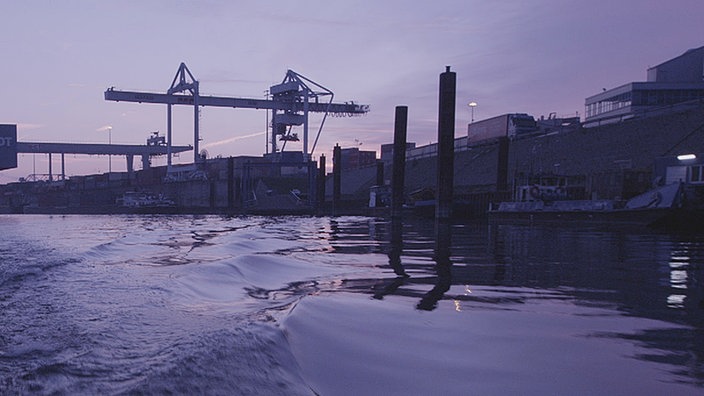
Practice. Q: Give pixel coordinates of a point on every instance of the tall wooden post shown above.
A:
(399, 158)
(379, 172)
(446, 146)
(321, 182)
(336, 176)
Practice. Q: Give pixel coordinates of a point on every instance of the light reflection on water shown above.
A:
(634, 273)
(621, 266)
(142, 295)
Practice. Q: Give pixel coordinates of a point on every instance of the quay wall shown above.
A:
(221, 185)
(630, 144)
(615, 160)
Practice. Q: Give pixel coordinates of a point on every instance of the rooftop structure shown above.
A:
(505, 125)
(676, 82)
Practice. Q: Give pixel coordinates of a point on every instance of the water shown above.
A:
(298, 305)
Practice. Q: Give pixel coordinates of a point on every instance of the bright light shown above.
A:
(685, 157)
(472, 105)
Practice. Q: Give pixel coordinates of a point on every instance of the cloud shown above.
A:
(232, 139)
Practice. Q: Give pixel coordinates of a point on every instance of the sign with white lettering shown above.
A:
(8, 146)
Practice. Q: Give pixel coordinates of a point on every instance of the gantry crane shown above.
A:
(290, 103)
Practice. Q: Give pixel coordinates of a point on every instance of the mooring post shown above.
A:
(446, 146)
(230, 183)
(379, 184)
(443, 207)
(379, 172)
(399, 161)
(336, 176)
(321, 182)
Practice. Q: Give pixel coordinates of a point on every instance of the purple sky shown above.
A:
(537, 57)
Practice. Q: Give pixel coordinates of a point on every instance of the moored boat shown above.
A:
(661, 207)
(144, 202)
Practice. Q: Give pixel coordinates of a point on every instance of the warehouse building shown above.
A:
(676, 83)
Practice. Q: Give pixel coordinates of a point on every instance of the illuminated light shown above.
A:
(472, 105)
(466, 289)
(458, 308)
(678, 279)
(675, 264)
(686, 157)
(680, 258)
(676, 300)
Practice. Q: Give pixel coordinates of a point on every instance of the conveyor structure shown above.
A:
(129, 151)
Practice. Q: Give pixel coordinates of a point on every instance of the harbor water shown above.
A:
(345, 306)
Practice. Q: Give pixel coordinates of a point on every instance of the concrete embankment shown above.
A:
(604, 162)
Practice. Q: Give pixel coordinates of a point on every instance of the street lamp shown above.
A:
(472, 105)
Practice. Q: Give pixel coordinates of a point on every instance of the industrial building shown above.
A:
(354, 158)
(678, 82)
(387, 151)
(612, 155)
(618, 152)
(284, 180)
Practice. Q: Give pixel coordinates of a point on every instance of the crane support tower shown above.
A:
(290, 103)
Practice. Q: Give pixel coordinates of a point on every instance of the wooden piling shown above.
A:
(321, 183)
(336, 177)
(379, 172)
(446, 146)
(399, 161)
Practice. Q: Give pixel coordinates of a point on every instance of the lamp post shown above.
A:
(472, 105)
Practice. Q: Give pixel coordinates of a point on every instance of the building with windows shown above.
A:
(387, 151)
(354, 158)
(677, 82)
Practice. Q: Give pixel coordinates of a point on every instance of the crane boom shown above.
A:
(244, 103)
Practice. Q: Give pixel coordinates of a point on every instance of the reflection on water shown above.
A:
(395, 249)
(680, 265)
(443, 267)
(127, 304)
(637, 273)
